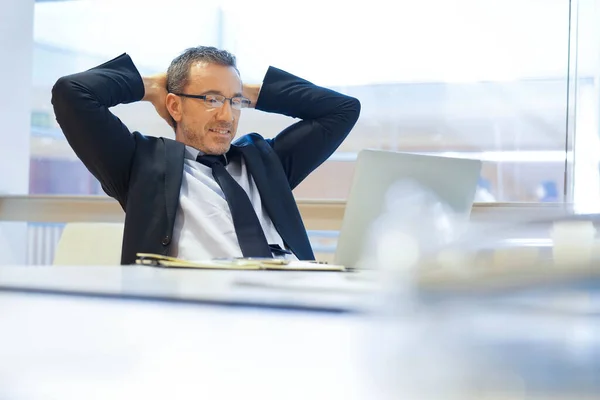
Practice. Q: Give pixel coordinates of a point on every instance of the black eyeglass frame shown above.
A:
(245, 103)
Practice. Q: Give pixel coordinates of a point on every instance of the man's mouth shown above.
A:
(220, 131)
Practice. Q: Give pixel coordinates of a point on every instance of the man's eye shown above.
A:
(241, 102)
(212, 101)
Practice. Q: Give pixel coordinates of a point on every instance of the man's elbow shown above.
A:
(66, 98)
(352, 110)
(61, 91)
(355, 108)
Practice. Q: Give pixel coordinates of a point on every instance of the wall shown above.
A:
(16, 46)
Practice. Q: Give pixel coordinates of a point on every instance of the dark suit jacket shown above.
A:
(144, 174)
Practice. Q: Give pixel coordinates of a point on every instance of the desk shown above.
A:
(67, 347)
(314, 291)
(147, 332)
(142, 332)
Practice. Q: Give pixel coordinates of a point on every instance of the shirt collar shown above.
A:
(192, 153)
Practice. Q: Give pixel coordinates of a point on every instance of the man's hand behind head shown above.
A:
(155, 87)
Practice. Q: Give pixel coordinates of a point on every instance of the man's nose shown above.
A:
(225, 112)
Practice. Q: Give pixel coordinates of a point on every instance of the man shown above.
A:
(202, 196)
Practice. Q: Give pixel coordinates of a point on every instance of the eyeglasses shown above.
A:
(217, 100)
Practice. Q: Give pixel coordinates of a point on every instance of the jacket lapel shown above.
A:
(276, 195)
(174, 153)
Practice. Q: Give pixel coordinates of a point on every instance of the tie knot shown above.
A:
(210, 160)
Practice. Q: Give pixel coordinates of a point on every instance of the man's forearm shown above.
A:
(81, 104)
(251, 92)
(155, 91)
(327, 118)
(154, 85)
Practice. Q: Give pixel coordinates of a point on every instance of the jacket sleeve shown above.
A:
(326, 119)
(103, 143)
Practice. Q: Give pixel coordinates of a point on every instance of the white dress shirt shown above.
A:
(203, 223)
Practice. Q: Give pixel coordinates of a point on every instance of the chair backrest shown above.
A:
(90, 243)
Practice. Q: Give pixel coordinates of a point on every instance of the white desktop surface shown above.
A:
(144, 332)
(65, 347)
(327, 291)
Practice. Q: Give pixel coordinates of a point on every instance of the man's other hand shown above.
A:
(155, 87)
(251, 92)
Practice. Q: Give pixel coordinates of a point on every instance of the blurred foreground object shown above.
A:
(485, 312)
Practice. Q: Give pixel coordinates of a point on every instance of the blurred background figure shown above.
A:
(547, 192)
(484, 191)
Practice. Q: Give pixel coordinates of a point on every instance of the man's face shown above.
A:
(210, 130)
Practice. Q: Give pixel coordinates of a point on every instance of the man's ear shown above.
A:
(174, 107)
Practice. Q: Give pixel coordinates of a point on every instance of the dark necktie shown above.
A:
(249, 233)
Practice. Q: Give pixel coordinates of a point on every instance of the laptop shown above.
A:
(452, 180)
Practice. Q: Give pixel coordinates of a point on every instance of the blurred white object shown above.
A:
(482, 195)
(90, 243)
(410, 360)
(573, 242)
(413, 221)
(494, 312)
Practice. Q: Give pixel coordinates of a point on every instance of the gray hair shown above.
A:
(178, 72)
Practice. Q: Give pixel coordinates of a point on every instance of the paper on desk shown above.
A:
(236, 264)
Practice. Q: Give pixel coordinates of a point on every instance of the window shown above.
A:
(470, 78)
(506, 81)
